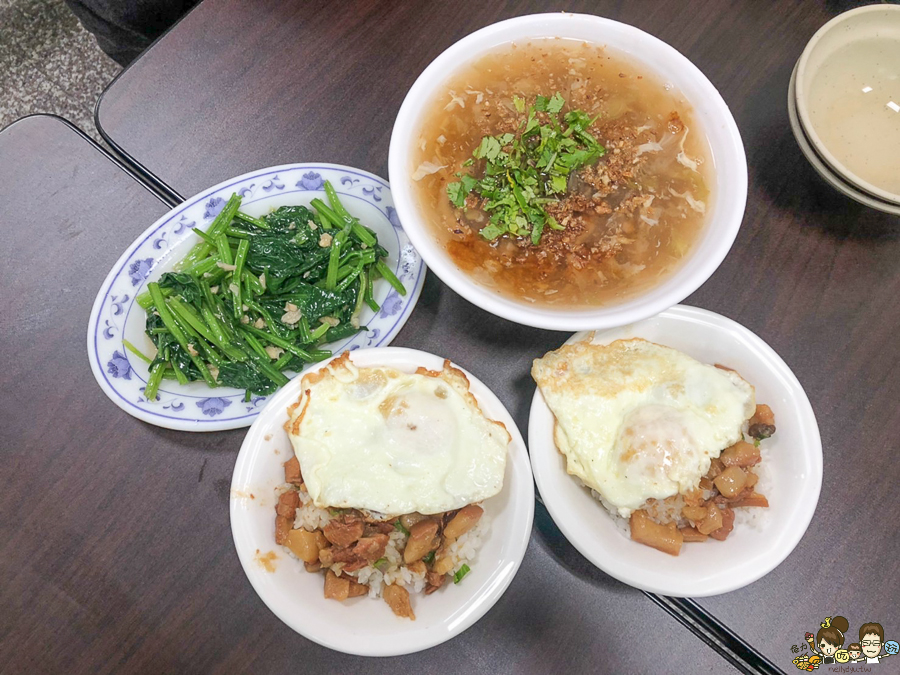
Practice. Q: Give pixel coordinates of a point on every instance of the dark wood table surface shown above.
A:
(237, 86)
(115, 543)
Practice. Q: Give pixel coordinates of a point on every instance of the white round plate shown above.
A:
(795, 468)
(116, 315)
(367, 626)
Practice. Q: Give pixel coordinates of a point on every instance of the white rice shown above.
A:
(754, 517)
(620, 522)
(461, 552)
(393, 571)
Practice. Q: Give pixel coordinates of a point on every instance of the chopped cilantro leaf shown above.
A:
(468, 183)
(459, 191)
(551, 221)
(457, 194)
(399, 526)
(492, 231)
(378, 563)
(556, 103)
(489, 149)
(528, 169)
(578, 120)
(428, 559)
(536, 233)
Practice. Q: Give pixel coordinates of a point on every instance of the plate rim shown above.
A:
(680, 588)
(506, 568)
(199, 424)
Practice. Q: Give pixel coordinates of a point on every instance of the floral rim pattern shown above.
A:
(197, 407)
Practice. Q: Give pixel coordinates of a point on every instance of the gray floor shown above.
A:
(49, 63)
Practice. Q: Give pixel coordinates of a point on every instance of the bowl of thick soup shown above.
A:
(568, 172)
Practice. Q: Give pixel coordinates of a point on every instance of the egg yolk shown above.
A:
(654, 442)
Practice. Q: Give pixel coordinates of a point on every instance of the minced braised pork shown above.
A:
(353, 540)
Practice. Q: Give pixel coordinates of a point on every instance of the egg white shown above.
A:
(392, 443)
(638, 421)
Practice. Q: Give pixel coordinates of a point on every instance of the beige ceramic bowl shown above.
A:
(821, 167)
(862, 24)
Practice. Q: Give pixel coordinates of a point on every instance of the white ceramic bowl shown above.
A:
(860, 24)
(711, 567)
(365, 626)
(727, 156)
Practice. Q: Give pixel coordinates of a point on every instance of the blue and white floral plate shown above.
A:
(116, 315)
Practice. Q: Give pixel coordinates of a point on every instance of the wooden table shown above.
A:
(115, 544)
(236, 86)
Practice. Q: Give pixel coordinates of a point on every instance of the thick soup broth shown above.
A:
(625, 222)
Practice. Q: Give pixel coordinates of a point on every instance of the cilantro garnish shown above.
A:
(525, 170)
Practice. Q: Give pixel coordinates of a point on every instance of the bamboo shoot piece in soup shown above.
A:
(561, 173)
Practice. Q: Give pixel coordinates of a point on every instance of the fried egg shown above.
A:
(391, 443)
(638, 421)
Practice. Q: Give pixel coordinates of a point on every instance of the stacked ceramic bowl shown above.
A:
(844, 104)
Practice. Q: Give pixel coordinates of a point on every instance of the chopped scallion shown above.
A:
(463, 571)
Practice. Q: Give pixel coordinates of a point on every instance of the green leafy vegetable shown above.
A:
(245, 376)
(551, 105)
(379, 563)
(463, 571)
(257, 296)
(399, 526)
(457, 193)
(137, 352)
(528, 169)
(181, 284)
(428, 559)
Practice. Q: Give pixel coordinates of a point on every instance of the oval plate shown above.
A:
(365, 626)
(196, 407)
